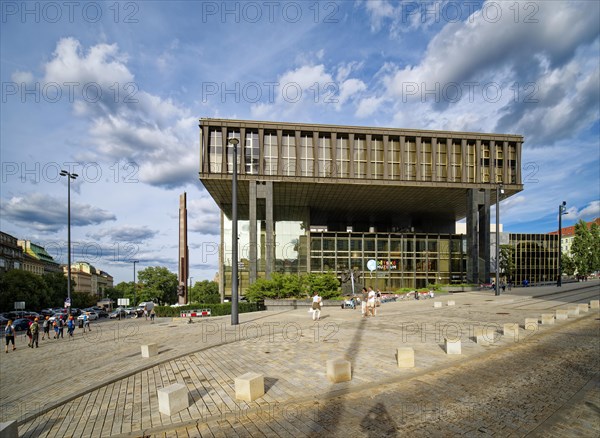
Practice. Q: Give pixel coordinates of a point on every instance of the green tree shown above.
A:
(205, 292)
(595, 247)
(567, 264)
(157, 284)
(294, 286)
(56, 289)
(582, 249)
(17, 285)
(507, 261)
(81, 300)
(327, 285)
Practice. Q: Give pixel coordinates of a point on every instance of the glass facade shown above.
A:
(535, 257)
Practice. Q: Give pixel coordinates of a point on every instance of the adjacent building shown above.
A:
(37, 259)
(568, 234)
(11, 255)
(320, 198)
(88, 279)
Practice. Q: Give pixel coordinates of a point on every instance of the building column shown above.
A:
(270, 262)
(472, 242)
(484, 237)
(253, 230)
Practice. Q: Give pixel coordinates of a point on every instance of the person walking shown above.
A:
(61, 328)
(152, 315)
(371, 301)
(9, 335)
(86, 322)
(316, 306)
(55, 327)
(46, 327)
(35, 332)
(363, 302)
(70, 326)
(29, 335)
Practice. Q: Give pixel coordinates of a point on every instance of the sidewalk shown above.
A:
(99, 385)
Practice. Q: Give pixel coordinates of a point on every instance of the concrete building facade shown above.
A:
(317, 198)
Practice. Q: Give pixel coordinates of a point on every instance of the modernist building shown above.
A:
(318, 198)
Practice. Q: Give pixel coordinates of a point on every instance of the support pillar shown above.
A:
(253, 255)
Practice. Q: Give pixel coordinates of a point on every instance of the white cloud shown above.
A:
(22, 77)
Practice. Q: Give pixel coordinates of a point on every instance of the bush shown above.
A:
(215, 309)
(294, 286)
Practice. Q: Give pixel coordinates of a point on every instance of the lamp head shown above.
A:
(233, 141)
(564, 203)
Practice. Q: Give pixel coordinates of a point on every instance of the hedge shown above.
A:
(215, 309)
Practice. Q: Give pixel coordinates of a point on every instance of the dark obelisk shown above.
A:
(184, 263)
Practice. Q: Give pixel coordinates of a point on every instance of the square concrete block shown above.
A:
(249, 386)
(453, 346)
(406, 357)
(511, 330)
(531, 323)
(149, 350)
(173, 398)
(573, 311)
(437, 304)
(562, 314)
(451, 303)
(595, 304)
(547, 318)
(583, 308)
(339, 370)
(9, 429)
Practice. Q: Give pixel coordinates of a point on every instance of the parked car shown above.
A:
(118, 313)
(91, 315)
(21, 324)
(102, 313)
(61, 315)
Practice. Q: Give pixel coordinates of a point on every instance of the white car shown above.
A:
(91, 315)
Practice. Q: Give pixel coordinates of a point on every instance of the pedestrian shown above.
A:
(55, 326)
(152, 315)
(371, 301)
(35, 332)
(70, 326)
(146, 312)
(9, 335)
(86, 322)
(61, 328)
(363, 302)
(46, 327)
(316, 306)
(28, 333)
(377, 300)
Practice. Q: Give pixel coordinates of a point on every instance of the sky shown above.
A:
(113, 91)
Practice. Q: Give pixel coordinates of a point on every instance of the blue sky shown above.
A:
(113, 91)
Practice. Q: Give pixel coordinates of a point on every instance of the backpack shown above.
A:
(9, 331)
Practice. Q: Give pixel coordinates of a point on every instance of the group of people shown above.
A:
(370, 300)
(33, 331)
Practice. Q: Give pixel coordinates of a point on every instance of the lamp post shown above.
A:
(499, 191)
(134, 283)
(69, 176)
(234, 236)
(562, 209)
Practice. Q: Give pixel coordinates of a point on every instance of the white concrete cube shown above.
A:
(547, 318)
(484, 335)
(531, 324)
(406, 357)
(511, 330)
(595, 304)
(249, 386)
(562, 314)
(149, 350)
(583, 308)
(573, 311)
(437, 304)
(453, 346)
(173, 398)
(9, 429)
(339, 370)
(451, 303)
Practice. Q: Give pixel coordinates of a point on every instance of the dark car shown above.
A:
(122, 313)
(21, 324)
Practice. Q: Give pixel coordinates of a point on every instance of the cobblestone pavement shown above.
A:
(543, 383)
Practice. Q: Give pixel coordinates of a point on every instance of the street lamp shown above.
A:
(134, 283)
(69, 176)
(499, 191)
(562, 209)
(234, 237)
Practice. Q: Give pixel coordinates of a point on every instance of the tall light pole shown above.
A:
(69, 176)
(499, 191)
(234, 236)
(562, 209)
(134, 283)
